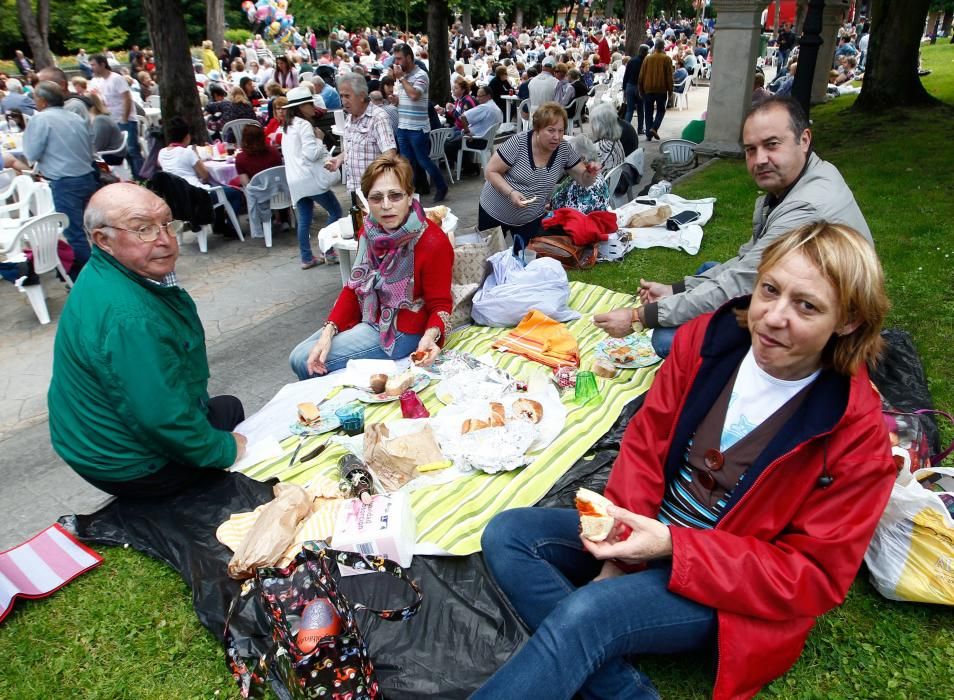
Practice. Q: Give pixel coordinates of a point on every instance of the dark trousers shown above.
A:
(657, 100)
(225, 412)
(524, 232)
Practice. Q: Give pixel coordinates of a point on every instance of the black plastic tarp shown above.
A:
(464, 631)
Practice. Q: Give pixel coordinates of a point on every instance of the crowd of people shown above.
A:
(760, 448)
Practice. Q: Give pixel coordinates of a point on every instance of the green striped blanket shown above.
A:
(451, 517)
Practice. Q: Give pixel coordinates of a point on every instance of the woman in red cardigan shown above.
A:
(398, 298)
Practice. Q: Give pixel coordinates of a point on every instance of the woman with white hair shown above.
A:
(604, 148)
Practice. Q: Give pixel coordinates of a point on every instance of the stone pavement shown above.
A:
(255, 304)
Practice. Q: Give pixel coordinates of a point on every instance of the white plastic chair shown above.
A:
(682, 98)
(438, 141)
(612, 179)
(42, 233)
(16, 198)
(235, 128)
(154, 102)
(280, 200)
(122, 170)
(577, 106)
(678, 151)
(469, 71)
(305, 77)
(483, 153)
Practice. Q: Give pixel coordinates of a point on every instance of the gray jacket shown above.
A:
(258, 195)
(821, 194)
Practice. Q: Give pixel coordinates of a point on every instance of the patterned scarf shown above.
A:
(383, 274)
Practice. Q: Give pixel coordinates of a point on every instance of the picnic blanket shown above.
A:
(687, 239)
(451, 517)
(42, 565)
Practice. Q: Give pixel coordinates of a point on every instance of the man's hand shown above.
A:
(617, 323)
(397, 71)
(240, 443)
(653, 291)
(649, 539)
(334, 163)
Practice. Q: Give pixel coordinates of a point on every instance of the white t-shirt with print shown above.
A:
(756, 395)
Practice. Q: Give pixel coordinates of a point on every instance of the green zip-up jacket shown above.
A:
(130, 378)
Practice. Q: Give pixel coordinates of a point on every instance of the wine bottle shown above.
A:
(357, 214)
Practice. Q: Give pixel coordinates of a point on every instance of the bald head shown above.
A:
(113, 204)
(55, 75)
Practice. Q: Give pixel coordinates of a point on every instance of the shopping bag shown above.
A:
(317, 646)
(512, 290)
(911, 556)
(471, 250)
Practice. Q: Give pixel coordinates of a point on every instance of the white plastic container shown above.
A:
(385, 527)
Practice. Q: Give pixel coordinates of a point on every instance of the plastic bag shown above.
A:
(512, 290)
(911, 556)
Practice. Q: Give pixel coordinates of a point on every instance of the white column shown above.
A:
(735, 49)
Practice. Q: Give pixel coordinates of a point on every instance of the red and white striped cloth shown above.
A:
(42, 565)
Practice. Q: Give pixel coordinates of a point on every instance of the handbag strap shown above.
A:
(943, 454)
(381, 565)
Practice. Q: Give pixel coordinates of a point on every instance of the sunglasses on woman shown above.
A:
(394, 197)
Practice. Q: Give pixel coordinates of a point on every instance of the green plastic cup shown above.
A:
(587, 390)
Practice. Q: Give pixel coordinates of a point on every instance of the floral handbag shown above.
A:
(318, 650)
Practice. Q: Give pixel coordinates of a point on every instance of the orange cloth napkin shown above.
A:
(541, 339)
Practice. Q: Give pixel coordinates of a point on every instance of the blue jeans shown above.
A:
(657, 100)
(305, 207)
(634, 103)
(70, 197)
(361, 342)
(133, 154)
(582, 630)
(663, 337)
(416, 147)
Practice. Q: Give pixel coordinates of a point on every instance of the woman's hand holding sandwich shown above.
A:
(648, 539)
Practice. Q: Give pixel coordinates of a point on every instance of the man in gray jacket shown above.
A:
(800, 188)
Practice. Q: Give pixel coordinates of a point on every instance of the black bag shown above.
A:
(317, 647)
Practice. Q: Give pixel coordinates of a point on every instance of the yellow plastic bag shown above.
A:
(911, 556)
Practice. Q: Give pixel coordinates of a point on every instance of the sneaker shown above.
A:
(314, 262)
(332, 259)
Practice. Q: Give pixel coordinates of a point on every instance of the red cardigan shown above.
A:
(788, 550)
(433, 264)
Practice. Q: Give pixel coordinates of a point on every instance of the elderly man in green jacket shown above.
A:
(129, 405)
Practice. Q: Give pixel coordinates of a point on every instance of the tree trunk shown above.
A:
(946, 22)
(891, 69)
(609, 8)
(518, 19)
(465, 22)
(36, 30)
(635, 23)
(438, 51)
(167, 33)
(801, 9)
(215, 23)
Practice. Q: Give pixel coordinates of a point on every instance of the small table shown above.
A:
(222, 171)
(508, 124)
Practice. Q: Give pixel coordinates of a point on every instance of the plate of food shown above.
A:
(385, 388)
(314, 419)
(632, 352)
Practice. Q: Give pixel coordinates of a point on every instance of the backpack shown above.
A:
(565, 251)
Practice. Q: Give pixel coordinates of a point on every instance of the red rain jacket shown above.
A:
(785, 550)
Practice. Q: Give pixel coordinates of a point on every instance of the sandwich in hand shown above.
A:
(595, 522)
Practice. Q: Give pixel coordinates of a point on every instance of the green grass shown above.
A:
(127, 629)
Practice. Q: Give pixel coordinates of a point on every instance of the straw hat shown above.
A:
(299, 96)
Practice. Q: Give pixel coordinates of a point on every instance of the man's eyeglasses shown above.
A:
(149, 232)
(393, 197)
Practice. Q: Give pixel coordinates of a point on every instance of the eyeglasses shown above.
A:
(393, 197)
(150, 232)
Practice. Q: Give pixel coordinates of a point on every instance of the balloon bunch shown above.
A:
(272, 16)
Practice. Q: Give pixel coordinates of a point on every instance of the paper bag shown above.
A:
(649, 217)
(393, 460)
(273, 532)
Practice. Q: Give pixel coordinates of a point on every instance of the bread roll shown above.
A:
(436, 214)
(595, 522)
(602, 368)
(528, 409)
(378, 382)
(308, 413)
(398, 384)
(497, 414)
(418, 356)
(472, 424)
